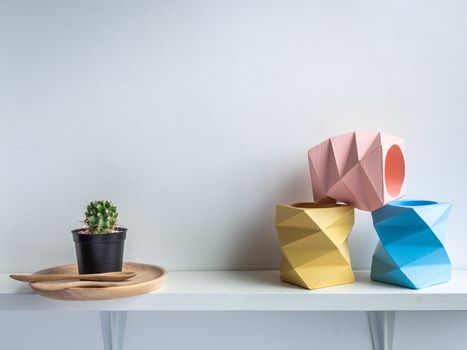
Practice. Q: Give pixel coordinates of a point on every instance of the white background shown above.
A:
(194, 117)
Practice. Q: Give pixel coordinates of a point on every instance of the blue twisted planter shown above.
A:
(411, 252)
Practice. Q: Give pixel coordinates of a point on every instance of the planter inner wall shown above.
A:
(394, 171)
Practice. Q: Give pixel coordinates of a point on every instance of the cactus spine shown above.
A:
(101, 217)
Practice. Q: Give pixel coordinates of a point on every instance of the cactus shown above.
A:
(101, 217)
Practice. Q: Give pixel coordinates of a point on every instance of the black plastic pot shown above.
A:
(99, 252)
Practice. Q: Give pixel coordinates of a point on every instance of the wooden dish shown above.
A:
(147, 279)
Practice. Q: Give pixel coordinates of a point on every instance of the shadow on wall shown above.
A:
(257, 246)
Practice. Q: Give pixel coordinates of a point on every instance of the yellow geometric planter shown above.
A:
(313, 242)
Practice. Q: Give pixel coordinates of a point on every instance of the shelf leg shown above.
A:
(382, 329)
(113, 329)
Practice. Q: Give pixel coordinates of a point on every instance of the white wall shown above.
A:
(195, 118)
(231, 331)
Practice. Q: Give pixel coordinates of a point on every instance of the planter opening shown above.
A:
(311, 205)
(413, 203)
(394, 172)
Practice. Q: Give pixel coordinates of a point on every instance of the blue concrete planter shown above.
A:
(411, 251)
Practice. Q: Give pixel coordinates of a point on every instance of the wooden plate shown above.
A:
(148, 278)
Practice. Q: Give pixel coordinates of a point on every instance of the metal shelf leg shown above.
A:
(382, 329)
(113, 329)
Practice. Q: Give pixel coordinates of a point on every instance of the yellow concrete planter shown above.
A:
(313, 242)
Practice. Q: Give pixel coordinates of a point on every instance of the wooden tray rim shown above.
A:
(161, 278)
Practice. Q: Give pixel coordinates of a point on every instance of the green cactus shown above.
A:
(101, 217)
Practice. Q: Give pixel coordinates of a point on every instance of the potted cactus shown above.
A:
(99, 245)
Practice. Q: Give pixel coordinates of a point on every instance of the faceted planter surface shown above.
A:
(411, 251)
(363, 169)
(313, 241)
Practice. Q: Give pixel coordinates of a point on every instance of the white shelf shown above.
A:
(253, 291)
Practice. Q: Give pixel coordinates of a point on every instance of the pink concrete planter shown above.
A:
(363, 169)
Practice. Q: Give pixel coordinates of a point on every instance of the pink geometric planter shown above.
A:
(363, 169)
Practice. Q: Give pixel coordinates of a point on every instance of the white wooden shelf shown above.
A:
(253, 291)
